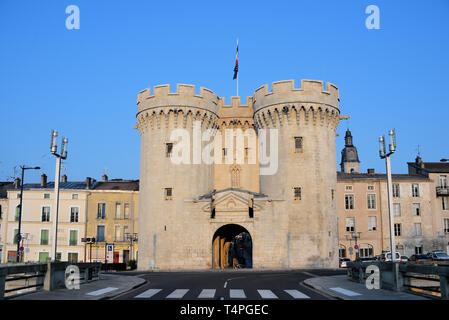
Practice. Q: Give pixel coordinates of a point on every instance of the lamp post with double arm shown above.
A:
(63, 155)
(384, 155)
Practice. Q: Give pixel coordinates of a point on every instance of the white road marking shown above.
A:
(207, 293)
(226, 283)
(177, 294)
(101, 291)
(267, 294)
(346, 292)
(148, 294)
(237, 294)
(296, 294)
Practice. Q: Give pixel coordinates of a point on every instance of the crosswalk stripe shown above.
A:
(267, 294)
(149, 293)
(296, 294)
(207, 293)
(177, 294)
(237, 293)
(346, 292)
(101, 291)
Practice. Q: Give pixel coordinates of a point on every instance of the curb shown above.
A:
(114, 295)
(321, 291)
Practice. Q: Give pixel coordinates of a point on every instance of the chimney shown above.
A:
(419, 162)
(64, 178)
(88, 182)
(371, 171)
(17, 183)
(43, 180)
(105, 177)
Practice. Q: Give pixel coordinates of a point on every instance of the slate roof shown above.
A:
(62, 185)
(433, 167)
(4, 187)
(117, 184)
(342, 176)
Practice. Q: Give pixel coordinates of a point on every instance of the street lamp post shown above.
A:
(384, 155)
(19, 236)
(63, 155)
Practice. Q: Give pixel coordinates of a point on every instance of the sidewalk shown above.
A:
(108, 286)
(341, 287)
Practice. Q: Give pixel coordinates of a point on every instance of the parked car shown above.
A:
(386, 256)
(366, 259)
(404, 258)
(419, 257)
(438, 255)
(343, 262)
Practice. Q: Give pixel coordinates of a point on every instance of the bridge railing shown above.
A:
(18, 279)
(429, 279)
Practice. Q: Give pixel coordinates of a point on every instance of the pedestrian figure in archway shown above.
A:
(231, 254)
(247, 250)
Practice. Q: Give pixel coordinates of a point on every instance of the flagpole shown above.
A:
(237, 71)
(237, 84)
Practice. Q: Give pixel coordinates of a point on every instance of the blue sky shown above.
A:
(84, 83)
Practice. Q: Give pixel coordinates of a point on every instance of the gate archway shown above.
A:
(232, 247)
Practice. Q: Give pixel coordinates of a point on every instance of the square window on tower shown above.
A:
(168, 193)
(168, 149)
(297, 193)
(298, 144)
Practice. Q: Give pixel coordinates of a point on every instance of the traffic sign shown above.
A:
(356, 247)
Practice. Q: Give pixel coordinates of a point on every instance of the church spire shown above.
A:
(349, 157)
(348, 139)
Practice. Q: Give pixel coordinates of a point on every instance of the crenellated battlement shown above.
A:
(311, 91)
(184, 97)
(311, 94)
(235, 109)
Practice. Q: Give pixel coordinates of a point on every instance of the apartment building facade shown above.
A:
(112, 221)
(38, 214)
(363, 214)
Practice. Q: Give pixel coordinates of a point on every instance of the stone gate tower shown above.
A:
(303, 190)
(164, 217)
(189, 213)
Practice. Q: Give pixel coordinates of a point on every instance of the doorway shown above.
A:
(232, 247)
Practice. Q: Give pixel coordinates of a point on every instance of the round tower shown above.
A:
(167, 187)
(303, 186)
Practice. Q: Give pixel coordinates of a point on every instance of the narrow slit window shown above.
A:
(297, 193)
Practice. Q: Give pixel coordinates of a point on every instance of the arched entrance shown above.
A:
(232, 247)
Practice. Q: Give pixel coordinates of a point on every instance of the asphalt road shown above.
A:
(228, 285)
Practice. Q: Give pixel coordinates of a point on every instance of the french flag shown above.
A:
(236, 68)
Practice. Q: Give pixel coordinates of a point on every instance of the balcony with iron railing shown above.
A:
(442, 191)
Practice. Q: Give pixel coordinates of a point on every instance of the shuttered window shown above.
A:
(44, 237)
(397, 209)
(100, 233)
(73, 238)
(16, 218)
